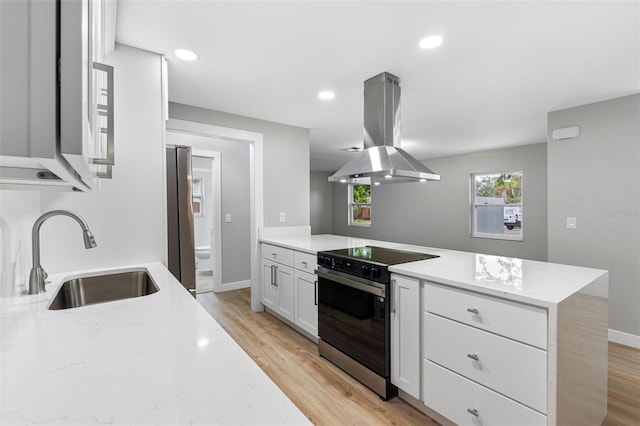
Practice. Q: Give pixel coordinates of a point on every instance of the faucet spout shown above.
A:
(38, 275)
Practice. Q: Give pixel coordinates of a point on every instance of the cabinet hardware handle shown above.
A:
(473, 357)
(473, 412)
(474, 311)
(395, 296)
(273, 254)
(304, 263)
(275, 281)
(315, 293)
(272, 278)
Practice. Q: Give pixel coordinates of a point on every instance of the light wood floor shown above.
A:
(328, 396)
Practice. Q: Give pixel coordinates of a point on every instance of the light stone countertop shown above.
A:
(314, 243)
(157, 359)
(534, 282)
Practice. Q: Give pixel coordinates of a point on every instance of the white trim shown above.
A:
(234, 286)
(623, 338)
(256, 187)
(216, 172)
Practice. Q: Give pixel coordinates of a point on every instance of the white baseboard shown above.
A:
(204, 289)
(623, 338)
(233, 286)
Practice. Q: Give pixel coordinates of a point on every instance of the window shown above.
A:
(197, 198)
(359, 204)
(496, 205)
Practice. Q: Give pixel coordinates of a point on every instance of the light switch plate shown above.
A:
(227, 217)
(283, 217)
(571, 223)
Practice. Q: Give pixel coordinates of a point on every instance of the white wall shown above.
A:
(18, 211)
(126, 215)
(596, 179)
(436, 214)
(285, 161)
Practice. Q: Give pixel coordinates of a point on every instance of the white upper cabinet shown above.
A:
(56, 94)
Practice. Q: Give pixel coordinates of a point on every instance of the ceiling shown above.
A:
(501, 68)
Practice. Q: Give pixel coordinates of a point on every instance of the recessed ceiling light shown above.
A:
(326, 95)
(431, 42)
(376, 183)
(388, 176)
(343, 181)
(186, 55)
(423, 180)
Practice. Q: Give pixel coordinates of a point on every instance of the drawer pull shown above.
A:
(473, 412)
(304, 263)
(473, 357)
(474, 311)
(273, 254)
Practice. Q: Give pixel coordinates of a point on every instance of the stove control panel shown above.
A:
(366, 270)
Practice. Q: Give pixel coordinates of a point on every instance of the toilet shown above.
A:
(203, 263)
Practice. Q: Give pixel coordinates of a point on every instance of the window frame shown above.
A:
(473, 205)
(351, 204)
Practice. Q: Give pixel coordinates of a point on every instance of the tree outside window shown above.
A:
(359, 205)
(496, 205)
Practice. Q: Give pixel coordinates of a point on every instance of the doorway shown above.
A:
(256, 215)
(205, 166)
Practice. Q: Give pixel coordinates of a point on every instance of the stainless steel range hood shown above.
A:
(382, 159)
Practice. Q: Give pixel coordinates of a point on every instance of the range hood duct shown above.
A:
(382, 159)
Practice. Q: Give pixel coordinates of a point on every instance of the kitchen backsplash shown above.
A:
(18, 212)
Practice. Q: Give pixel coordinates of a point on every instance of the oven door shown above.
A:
(353, 318)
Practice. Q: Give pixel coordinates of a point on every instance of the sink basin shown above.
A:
(103, 288)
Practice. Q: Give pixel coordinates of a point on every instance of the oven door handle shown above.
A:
(353, 284)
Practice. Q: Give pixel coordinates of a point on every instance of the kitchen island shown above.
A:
(482, 339)
(156, 359)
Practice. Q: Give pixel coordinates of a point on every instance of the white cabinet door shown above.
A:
(465, 402)
(284, 284)
(269, 289)
(405, 334)
(307, 302)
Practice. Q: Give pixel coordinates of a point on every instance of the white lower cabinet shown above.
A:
(465, 402)
(277, 288)
(501, 364)
(477, 368)
(405, 334)
(306, 304)
(289, 287)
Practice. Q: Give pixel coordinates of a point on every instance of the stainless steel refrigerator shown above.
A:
(181, 250)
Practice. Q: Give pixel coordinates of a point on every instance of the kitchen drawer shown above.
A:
(452, 396)
(527, 324)
(277, 254)
(514, 369)
(305, 262)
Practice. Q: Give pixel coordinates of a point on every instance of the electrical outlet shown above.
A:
(227, 218)
(571, 223)
(283, 217)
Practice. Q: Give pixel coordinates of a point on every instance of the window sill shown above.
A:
(498, 237)
(360, 225)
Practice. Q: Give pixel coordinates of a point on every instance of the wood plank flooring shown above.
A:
(328, 396)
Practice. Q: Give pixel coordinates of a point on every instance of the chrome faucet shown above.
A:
(38, 275)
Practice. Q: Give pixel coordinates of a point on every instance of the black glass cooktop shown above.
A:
(380, 255)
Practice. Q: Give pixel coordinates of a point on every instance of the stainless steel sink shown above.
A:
(103, 288)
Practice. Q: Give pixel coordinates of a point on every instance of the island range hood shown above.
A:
(382, 160)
